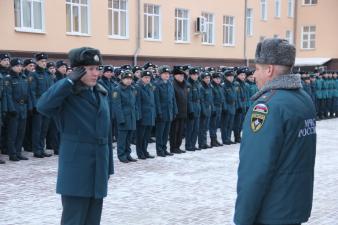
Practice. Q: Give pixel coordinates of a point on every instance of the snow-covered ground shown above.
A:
(197, 188)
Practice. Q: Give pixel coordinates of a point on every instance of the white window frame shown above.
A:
(264, 10)
(179, 21)
(308, 39)
(145, 35)
(278, 7)
(31, 29)
(291, 8)
(206, 40)
(311, 2)
(289, 36)
(79, 33)
(119, 11)
(227, 28)
(249, 22)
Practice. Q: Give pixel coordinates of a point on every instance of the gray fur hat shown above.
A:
(275, 51)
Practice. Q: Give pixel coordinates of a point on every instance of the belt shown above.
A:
(21, 101)
(85, 139)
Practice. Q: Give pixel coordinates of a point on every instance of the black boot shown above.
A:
(14, 158)
(213, 142)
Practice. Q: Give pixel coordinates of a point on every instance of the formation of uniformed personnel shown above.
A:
(203, 112)
(85, 158)
(277, 153)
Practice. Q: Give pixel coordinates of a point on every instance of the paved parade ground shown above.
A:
(197, 188)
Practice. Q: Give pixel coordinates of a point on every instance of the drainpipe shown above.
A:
(295, 22)
(138, 36)
(245, 36)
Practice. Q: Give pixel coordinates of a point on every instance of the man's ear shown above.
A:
(270, 70)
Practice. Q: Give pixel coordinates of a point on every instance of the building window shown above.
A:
(309, 37)
(77, 12)
(228, 30)
(310, 2)
(291, 6)
(208, 36)
(152, 22)
(277, 8)
(29, 15)
(264, 10)
(249, 22)
(181, 25)
(118, 18)
(289, 36)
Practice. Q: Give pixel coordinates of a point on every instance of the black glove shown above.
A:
(12, 114)
(239, 110)
(77, 73)
(191, 116)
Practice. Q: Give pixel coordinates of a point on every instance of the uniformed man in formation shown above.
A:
(147, 104)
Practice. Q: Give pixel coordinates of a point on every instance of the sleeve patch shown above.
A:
(258, 116)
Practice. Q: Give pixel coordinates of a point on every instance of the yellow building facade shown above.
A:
(197, 32)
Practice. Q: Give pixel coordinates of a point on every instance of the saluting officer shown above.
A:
(80, 108)
(124, 100)
(147, 111)
(194, 110)
(166, 110)
(206, 110)
(19, 103)
(40, 84)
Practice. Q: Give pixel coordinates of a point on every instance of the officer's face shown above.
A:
(241, 76)
(194, 76)
(5, 62)
(206, 79)
(17, 69)
(42, 63)
(230, 78)
(217, 80)
(179, 77)
(137, 73)
(69, 71)
(52, 70)
(127, 81)
(165, 76)
(91, 76)
(30, 67)
(62, 69)
(262, 74)
(146, 79)
(108, 74)
(251, 78)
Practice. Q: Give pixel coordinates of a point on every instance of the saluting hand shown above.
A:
(77, 73)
